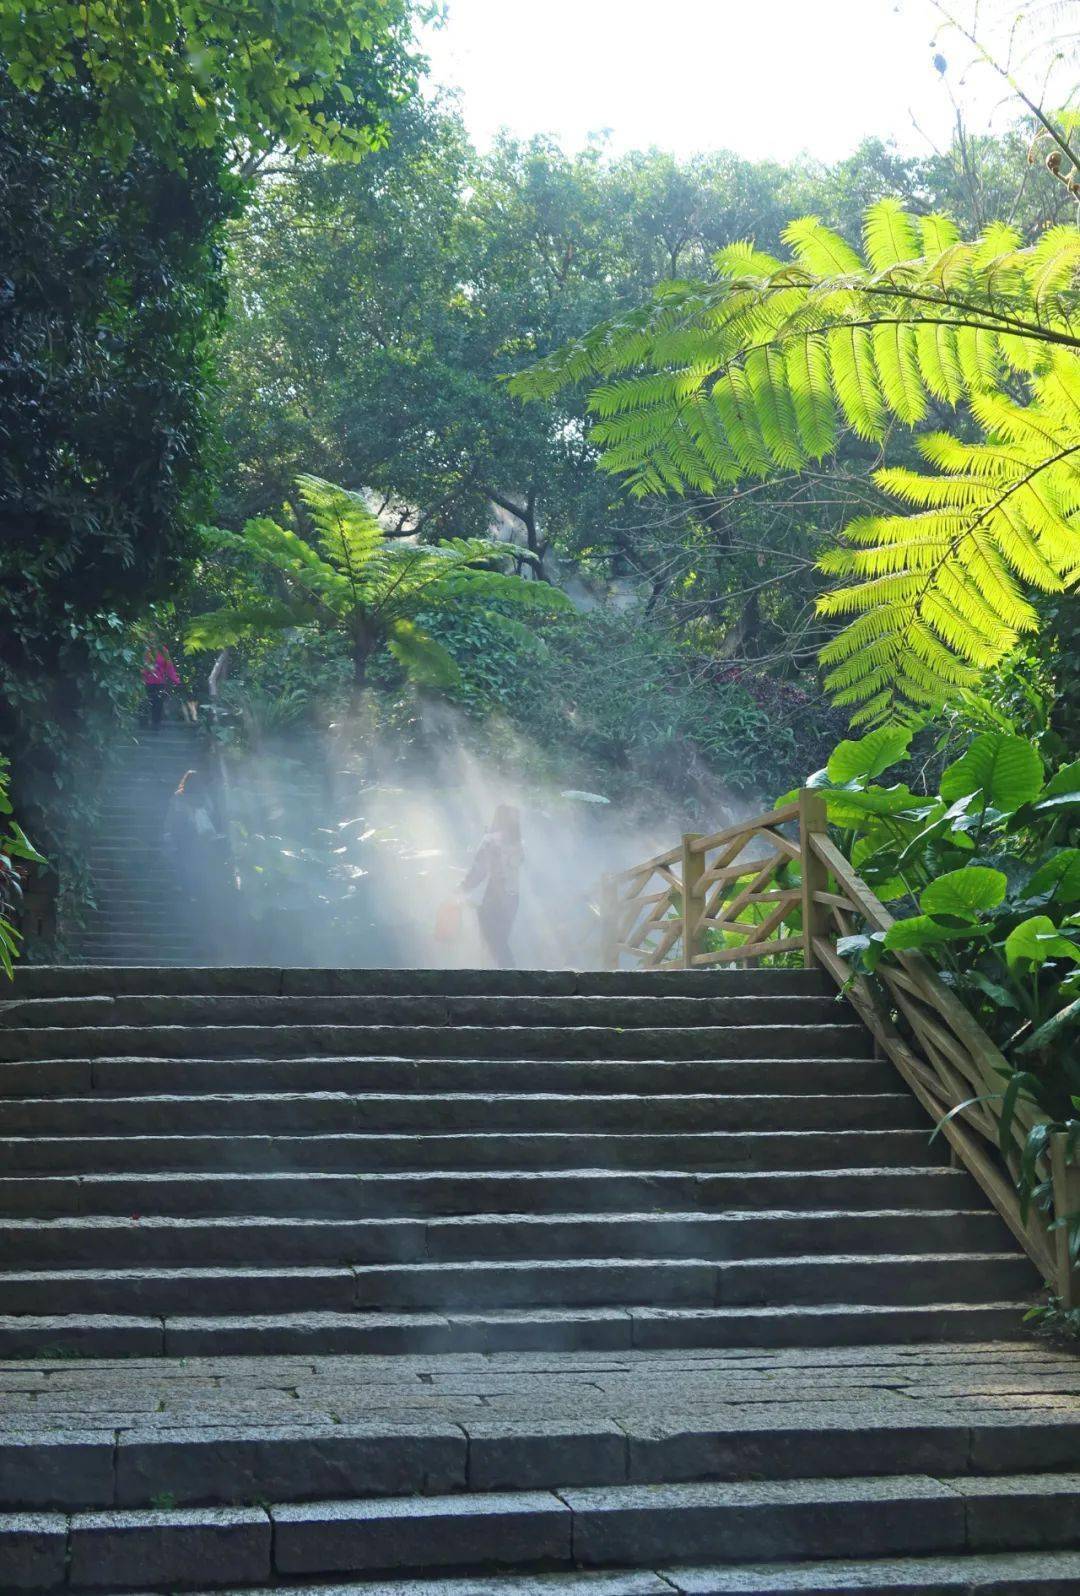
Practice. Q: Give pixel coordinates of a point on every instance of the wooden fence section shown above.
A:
(775, 888)
(689, 907)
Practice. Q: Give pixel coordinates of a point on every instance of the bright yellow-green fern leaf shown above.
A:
(950, 578)
(756, 370)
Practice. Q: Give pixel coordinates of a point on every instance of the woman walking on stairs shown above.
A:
(498, 864)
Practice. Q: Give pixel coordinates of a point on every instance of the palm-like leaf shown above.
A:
(754, 372)
(226, 627)
(349, 536)
(421, 657)
(366, 585)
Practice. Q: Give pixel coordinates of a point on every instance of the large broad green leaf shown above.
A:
(1006, 770)
(1059, 875)
(1037, 939)
(998, 994)
(923, 931)
(965, 892)
(1062, 791)
(856, 808)
(867, 757)
(874, 857)
(1067, 779)
(19, 844)
(862, 950)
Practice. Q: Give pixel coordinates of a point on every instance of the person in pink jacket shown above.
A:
(159, 674)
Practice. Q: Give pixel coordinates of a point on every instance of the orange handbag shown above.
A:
(448, 921)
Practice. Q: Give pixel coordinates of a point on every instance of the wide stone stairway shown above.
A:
(441, 1283)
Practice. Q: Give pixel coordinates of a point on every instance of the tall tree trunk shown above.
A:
(526, 514)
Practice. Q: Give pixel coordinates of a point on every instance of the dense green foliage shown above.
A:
(112, 298)
(190, 75)
(210, 297)
(604, 703)
(123, 153)
(989, 862)
(985, 876)
(352, 578)
(754, 372)
(14, 844)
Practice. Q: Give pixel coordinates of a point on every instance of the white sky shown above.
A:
(768, 78)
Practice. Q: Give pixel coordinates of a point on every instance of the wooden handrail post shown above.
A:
(813, 817)
(609, 922)
(693, 898)
(1066, 1179)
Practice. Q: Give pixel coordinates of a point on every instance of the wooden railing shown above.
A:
(775, 888)
(687, 907)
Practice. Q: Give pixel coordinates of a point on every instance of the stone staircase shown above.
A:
(137, 916)
(468, 1282)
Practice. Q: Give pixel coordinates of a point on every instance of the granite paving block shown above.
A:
(123, 1549)
(292, 1332)
(56, 1334)
(508, 1530)
(1005, 1443)
(33, 1548)
(551, 1328)
(532, 1453)
(624, 1582)
(1016, 1511)
(794, 1443)
(289, 1463)
(56, 1468)
(1023, 1574)
(775, 1518)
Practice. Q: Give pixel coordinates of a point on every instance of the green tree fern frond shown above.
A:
(948, 581)
(347, 533)
(371, 588)
(753, 372)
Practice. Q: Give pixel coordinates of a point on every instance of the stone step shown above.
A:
(648, 1077)
(139, 848)
(357, 1153)
(142, 821)
(103, 956)
(324, 1334)
(621, 1011)
(884, 1279)
(993, 1573)
(116, 913)
(298, 980)
(142, 869)
(103, 946)
(252, 1460)
(465, 1191)
(150, 785)
(253, 1430)
(847, 1040)
(590, 1527)
(289, 1113)
(120, 1242)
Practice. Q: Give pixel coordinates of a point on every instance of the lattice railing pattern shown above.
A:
(776, 886)
(719, 899)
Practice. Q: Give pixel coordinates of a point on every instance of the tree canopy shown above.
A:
(124, 151)
(755, 371)
(194, 76)
(351, 578)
